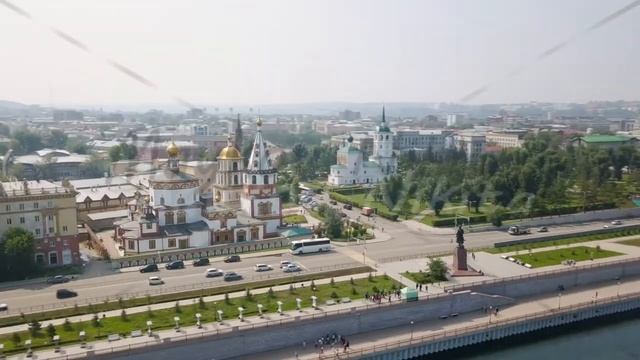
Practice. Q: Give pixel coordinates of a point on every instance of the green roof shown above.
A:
(605, 138)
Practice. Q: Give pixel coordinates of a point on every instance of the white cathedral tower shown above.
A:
(383, 148)
(260, 197)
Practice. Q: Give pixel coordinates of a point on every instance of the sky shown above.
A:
(215, 52)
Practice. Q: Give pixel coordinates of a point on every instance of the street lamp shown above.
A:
(279, 307)
(177, 320)
(411, 330)
(260, 310)
(83, 337)
(149, 324)
(559, 297)
(240, 311)
(27, 344)
(220, 313)
(619, 283)
(198, 323)
(314, 302)
(298, 304)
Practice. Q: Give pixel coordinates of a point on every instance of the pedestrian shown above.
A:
(473, 255)
(296, 354)
(416, 286)
(321, 349)
(426, 288)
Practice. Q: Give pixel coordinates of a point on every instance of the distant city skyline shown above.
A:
(294, 52)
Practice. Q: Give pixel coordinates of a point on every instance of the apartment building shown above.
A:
(506, 138)
(49, 212)
(472, 143)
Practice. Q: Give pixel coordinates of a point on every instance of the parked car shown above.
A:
(616, 222)
(149, 268)
(58, 279)
(543, 229)
(291, 268)
(155, 280)
(232, 258)
(343, 215)
(4, 307)
(213, 272)
(175, 265)
(284, 263)
(201, 262)
(231, 276)
(65, 293)
(262, 267)
(333, 202)
(347, 206)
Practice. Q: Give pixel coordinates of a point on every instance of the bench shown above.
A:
(136, 333)
(345, 300)
(113, 337)
(330, 302)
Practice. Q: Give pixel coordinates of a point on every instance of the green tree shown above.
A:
(294, 190)
(437, 206)
(496, 216)
(26, 141)
(18, 249)
(437, 269)
(334, 223)
(56, 139)
(405, 207)
(51, 330)
(115, 153)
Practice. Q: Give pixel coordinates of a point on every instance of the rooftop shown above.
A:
(22, 188)
(606, 138)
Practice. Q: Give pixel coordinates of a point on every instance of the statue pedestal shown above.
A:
(460, 266)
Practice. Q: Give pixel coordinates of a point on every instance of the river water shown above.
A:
(598, 340)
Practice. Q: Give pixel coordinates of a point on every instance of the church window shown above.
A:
(255, 163)
(182, 217)
(242, 235)
(266, 179)
(168, 218)
(387, 137)
(269, 162)
(235, 166)
(235, 179)
(162, 200)
(253, 179)
(264, 208)
(180, 200)
(255, 234)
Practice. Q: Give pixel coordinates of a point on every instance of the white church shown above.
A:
(351, 168)
(246, 205)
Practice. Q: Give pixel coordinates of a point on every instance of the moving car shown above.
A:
(291, 268)
(155, 280)
(262, 267)
(175, 265)
(65, 293)
(231, 276)
(284, 263)
(543, 229)
(149, 268)
(517, 230)
(347, 206)
(4, 307)
(213, 272)
(58, 279)
(616, 222)
(232, 258)
(201, 262)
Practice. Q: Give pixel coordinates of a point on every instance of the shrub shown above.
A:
(51, 330)
(15, 339)
(394, 287)
(370, 277)
(375, 289)
(332, 282)
(34, 327)
(247, 294)
(201, 303)
(177, 307)
(354, 291)
(271, 293)
(598, 248)
(67, 325)
(291, 289)
(334, 295)
(95, 321)
(121, 303)
(352, 281)
(123, 315)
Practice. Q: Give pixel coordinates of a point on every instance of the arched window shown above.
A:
(235, 166)
(235, 179)
(161, 200)
(266, 179)
(180, 199)
(182, 217)
(253, 179)
(387, 137)
(168, 218)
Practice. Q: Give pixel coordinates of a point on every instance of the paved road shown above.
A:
(130, 281)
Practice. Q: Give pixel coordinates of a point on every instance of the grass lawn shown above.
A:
(367, 200)
(289, 205)
(632, 242)
(565, 241)
(295, 219)
(556, 257)
(420, 277)
(163, 319)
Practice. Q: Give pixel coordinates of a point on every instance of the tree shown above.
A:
(115, 154)
(334, 223)
(438, 205)
(18, 249)
(437, 269)
(56, 139)
(294, 190)
(405, 207)
(34, 327)
(51, 330)
(95, 167)
(26, 141)
(496, 216)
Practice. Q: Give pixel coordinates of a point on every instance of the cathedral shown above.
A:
(351, 168)
(246, 204)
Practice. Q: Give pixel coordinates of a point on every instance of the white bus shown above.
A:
(310, 245)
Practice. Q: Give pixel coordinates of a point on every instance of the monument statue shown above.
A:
(460, 237)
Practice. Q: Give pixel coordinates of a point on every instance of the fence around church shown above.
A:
(196, 253)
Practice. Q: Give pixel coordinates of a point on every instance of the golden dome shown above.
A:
(230, 153)
(173, 150)
(259, 121)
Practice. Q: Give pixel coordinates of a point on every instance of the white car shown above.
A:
(616, 222)
(213, 272)
(155, 280)
(291, 268)
(284, 263)
(262, 267)
(4, 307)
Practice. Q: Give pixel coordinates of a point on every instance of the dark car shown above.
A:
(333, 202)
(231, 276)
(347, 206)
(343, 214)
(149, 268)
(175, 265)
(232, 258)
(201, 262)
(58, 279)
(65, 294)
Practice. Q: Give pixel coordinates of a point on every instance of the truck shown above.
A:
(517, 230)
(367, 211)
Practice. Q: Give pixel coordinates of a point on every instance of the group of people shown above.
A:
(330, 340)
(383, 295)
(419, 287)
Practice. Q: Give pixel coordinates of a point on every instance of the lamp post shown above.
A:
(559, 297)
(56, 343)
(198, 323)
(220, 313)
(314, 302)
(411, 330)
(177, 320)
(83, 339)
(240, 312)
(27, 344)
(619, 283)
(260, 310)
(149, 324)
(298, 302)
(279, 307)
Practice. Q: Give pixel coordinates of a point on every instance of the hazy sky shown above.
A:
(214, 52)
